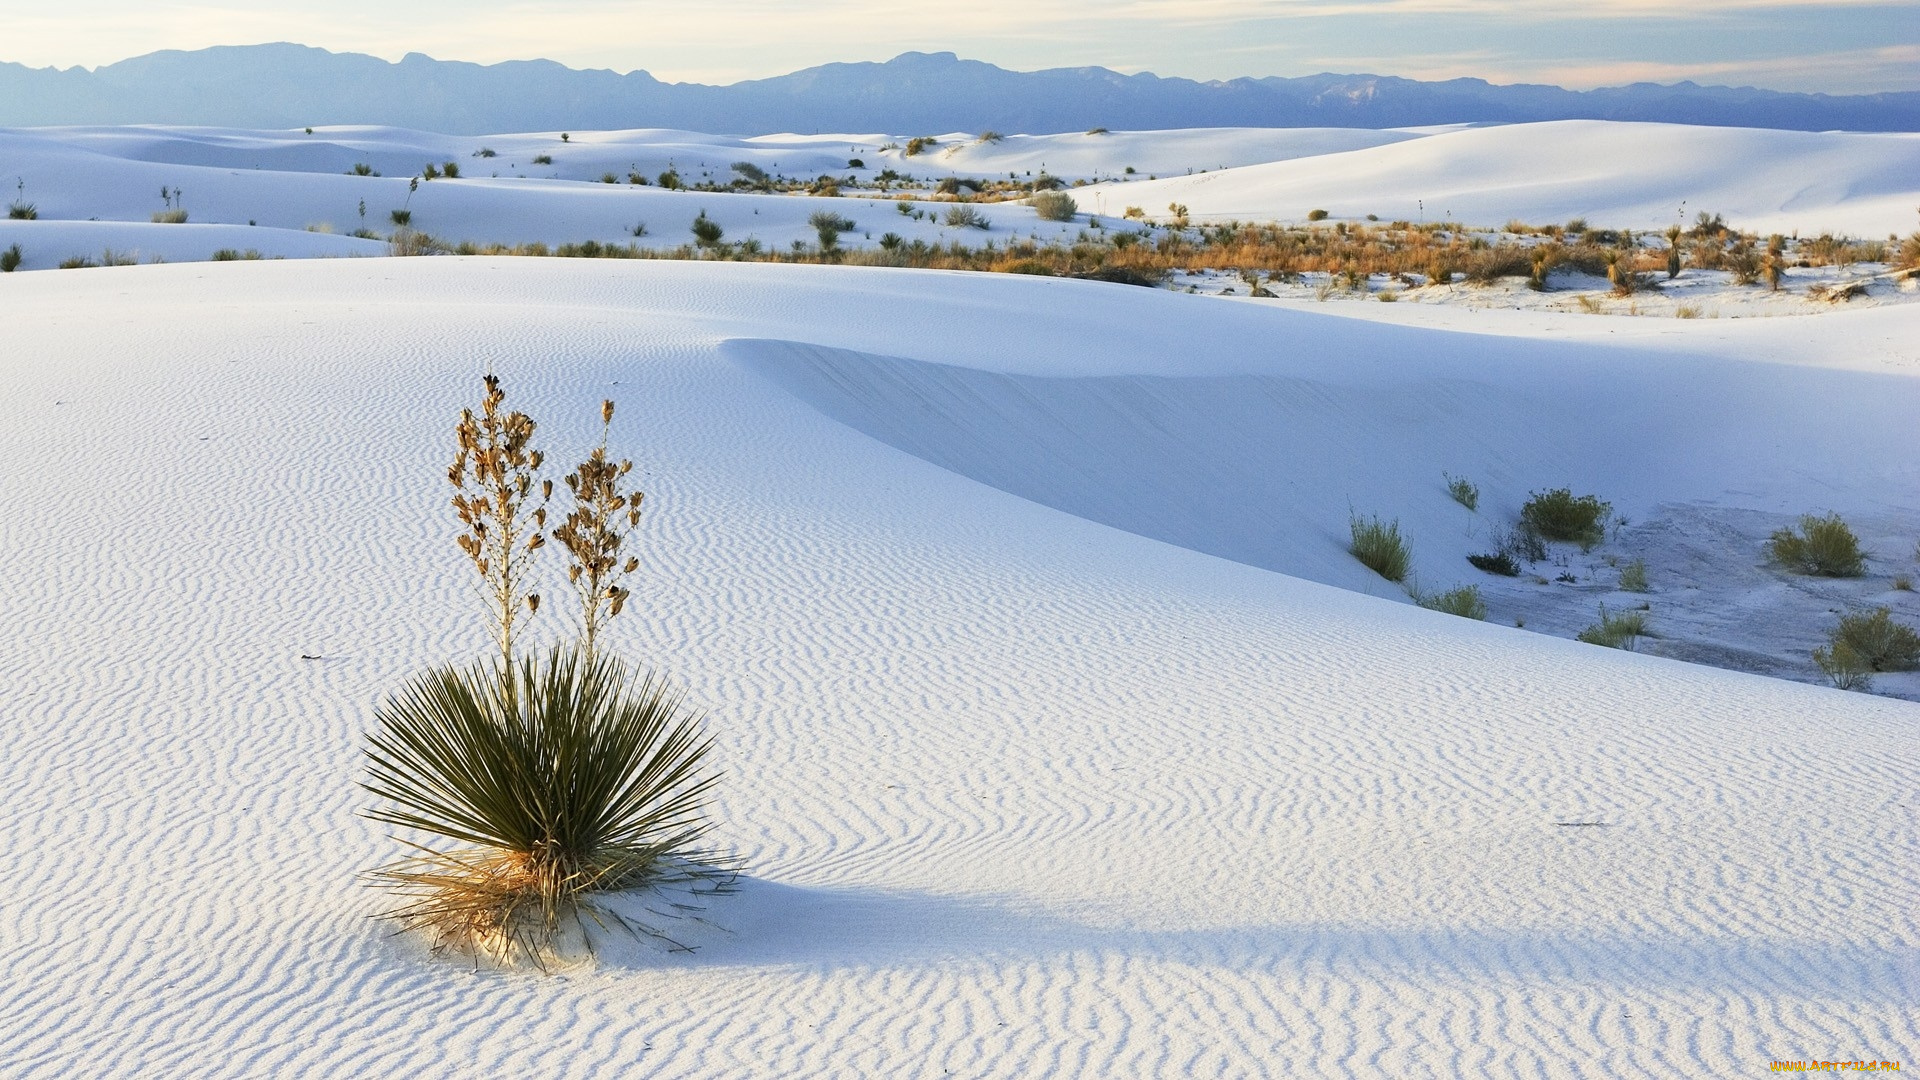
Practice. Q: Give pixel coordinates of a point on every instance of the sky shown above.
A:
(1832, 46)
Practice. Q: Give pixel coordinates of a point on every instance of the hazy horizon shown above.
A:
(1825, 46)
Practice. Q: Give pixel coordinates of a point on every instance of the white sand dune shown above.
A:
(1023, 793)
(283, 183)
(1613, 174)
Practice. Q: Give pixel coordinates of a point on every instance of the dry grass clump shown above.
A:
(1824, 546)
(563, 776)
(1462, 490)
(1380, 547)
(1633, 576)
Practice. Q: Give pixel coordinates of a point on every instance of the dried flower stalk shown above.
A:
(493, 480)
(595, 531)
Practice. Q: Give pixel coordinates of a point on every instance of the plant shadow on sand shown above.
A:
(767, 924)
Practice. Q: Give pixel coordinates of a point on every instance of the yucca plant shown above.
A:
(562, 778)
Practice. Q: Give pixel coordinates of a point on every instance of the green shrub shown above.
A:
(1463, 601)
(10, 259)
(361, 168)
(919, 144)
(1496, 562)
(431, 172)
(1621, 630)
(1316, 215)
(1559, 515)
(1380, 547)
(401, 218)
(828, 226)
(1825, 547)
(543, 159)
(77, 262)
(236, 255)
(1463, 491)
(1877, 641)
(609, 178)
(451, 170)
(1633, 576)
(706, 231)
(1054, 205)
(1843, 667)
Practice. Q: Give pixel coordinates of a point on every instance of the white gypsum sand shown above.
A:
(1022, 793)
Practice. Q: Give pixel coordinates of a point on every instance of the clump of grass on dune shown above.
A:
(1618, 630)
(1380, 547)
(1463, 601)
(559, 778)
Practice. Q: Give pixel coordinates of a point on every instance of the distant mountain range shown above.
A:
(282, 85)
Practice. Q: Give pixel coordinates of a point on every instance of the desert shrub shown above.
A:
(1054, 206)
(1824, 546)
(10, 259)
(174, 216)
(1100, 131)
(1619, 630)
(410, 242)
(22, 211)
(1910, 251)
(1878, 641)
(609, 178)
(543, 159)
(828, 226)
(1380, 547)
(919, 144)
(990, 136)
(236, 255)
(1496, 562)
(77, 262)
(1463, 601)
(451, 170)
(750, 173)
(430, 172)
(891, 241)
(484, 152)
(1844, 668)
(1633, 576)
(1559, 515)
(1462, 490)
(361, 168)
(1901, 582)
(1316, 215)
(706, 231)
(966, 217)
(110, 257)
(401, 218)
